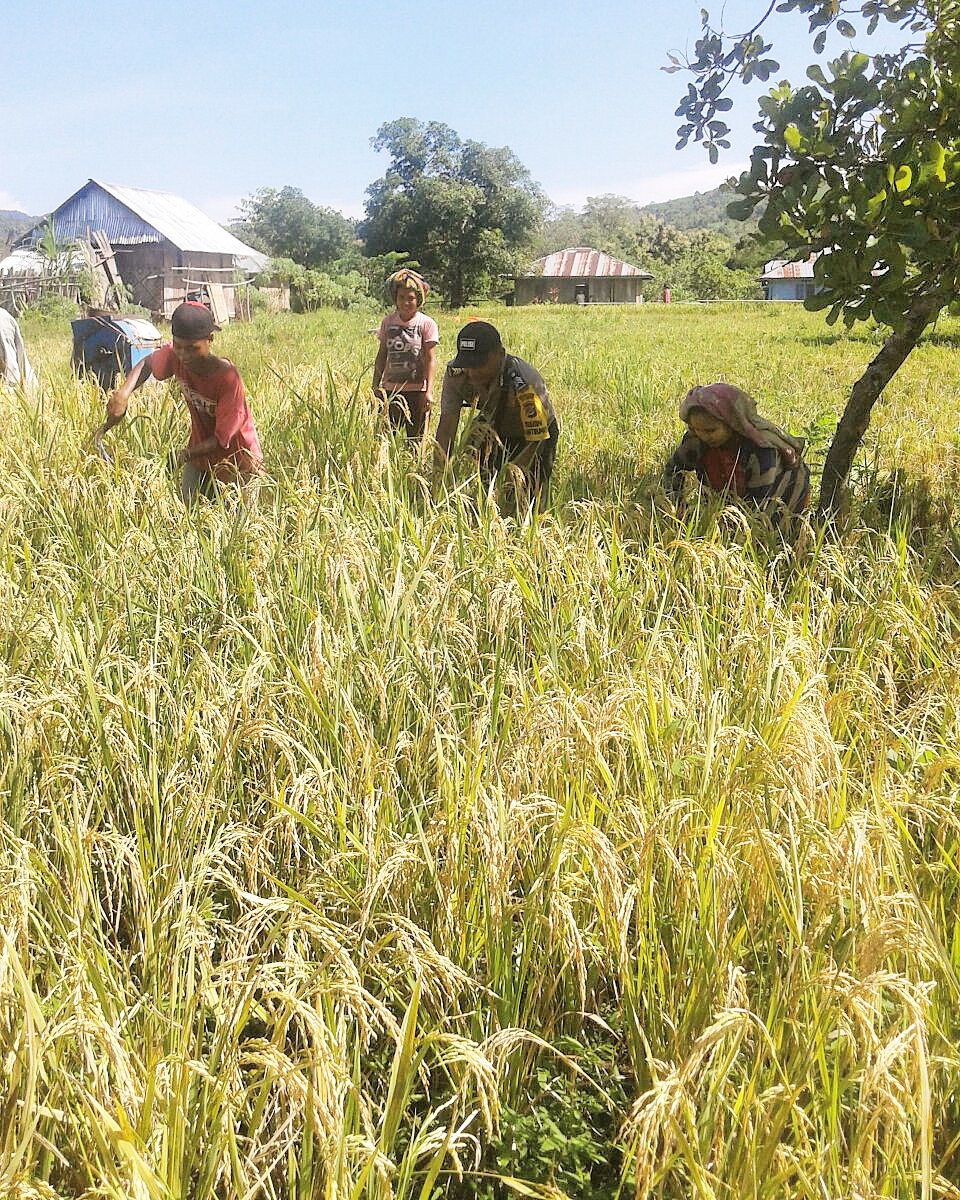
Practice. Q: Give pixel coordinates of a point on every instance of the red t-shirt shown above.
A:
(218, 407)
(724, 469)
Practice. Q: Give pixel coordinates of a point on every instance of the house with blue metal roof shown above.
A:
(164, 248)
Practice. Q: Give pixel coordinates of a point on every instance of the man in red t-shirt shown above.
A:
(223, 445)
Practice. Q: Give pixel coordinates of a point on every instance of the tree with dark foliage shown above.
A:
(286, 224)
(461, 209)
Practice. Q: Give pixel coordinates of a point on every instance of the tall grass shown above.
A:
(363, 843)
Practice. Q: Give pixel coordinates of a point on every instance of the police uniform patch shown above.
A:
(533, 416)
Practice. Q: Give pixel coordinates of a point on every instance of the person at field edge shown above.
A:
(406, 361)
(733, 450)
(514, 424)
(223, 446)
(15, 369)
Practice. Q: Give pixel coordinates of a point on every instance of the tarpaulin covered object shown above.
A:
(107, 346)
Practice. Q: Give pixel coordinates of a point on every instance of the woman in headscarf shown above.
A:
(732, 449)
(405, 364)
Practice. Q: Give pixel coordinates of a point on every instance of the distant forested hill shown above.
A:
(13, 223)
(703, 210)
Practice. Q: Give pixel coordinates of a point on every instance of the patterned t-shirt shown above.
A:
(405, 342)
(217, 406)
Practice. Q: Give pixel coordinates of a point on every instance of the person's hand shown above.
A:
(185, 455)
(428, 401)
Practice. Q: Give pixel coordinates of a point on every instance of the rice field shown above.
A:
(364, 842)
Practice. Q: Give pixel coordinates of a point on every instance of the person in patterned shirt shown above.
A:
(733, 450)
(514, 429)
(405, 364)
(223, 446)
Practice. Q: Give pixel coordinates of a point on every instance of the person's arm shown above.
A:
(202, 449)
(450, 404)
(119, 399)
(764, 473)
(686, 457)
(775, 484)
(446, 432)
(378, 365)
(27, 377)
(429, 355)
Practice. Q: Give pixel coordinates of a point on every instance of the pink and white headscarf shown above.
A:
(738, 410)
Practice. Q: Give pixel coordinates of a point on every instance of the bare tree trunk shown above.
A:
(457, 297)
(865, 392)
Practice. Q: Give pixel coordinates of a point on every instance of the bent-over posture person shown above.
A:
(223, 446)
(15, 369)
(732, 449)
(514, 423)
(406, 361)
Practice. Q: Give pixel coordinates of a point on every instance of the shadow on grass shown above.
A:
(905, 506)
(864, 337)
(950, 340)
(875, 337)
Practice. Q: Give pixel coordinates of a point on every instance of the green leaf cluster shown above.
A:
(562, 1130)
(859, 165)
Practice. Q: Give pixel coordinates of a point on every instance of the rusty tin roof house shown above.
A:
(783, 280)
(162, 247)
(580, 275)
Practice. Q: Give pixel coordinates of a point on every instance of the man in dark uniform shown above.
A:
(514, 425)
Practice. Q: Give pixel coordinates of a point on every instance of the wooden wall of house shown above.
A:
(277, 298)
(141, 268)
(188, 271)
(161, 276)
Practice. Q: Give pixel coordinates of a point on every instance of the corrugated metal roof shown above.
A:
(179, 221)
(779, 268)
(580, 262)
(32, 262)
(131, 216)
(23, 262)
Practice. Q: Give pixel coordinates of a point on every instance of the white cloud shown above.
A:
(672, 185)
(11, 202)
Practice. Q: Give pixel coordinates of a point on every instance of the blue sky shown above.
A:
(213, 100)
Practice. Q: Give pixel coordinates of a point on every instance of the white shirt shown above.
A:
(15, 370)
